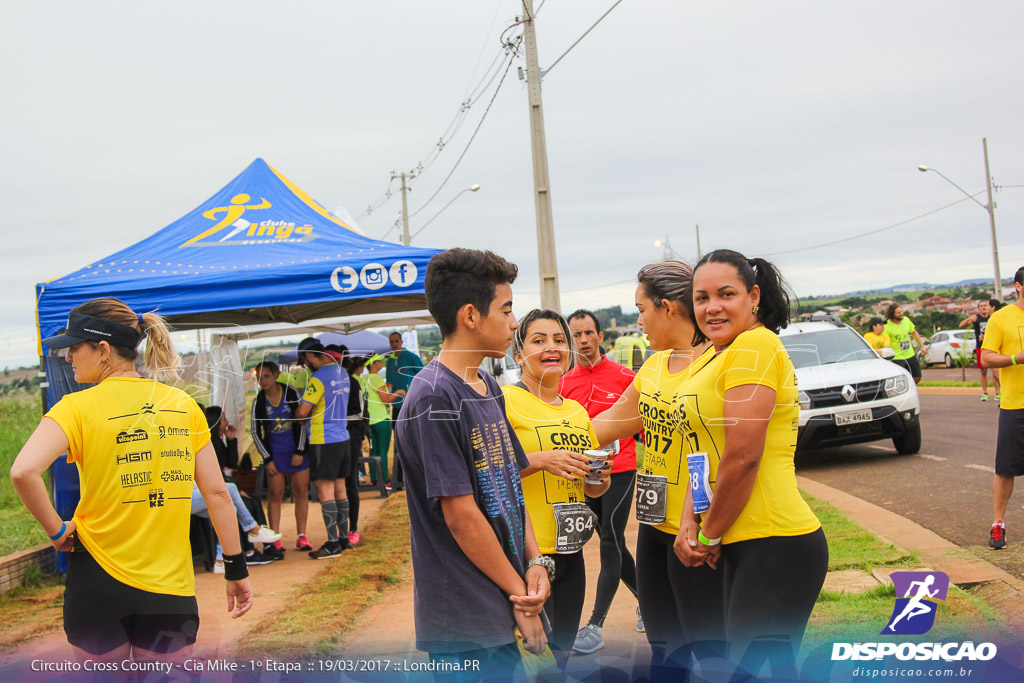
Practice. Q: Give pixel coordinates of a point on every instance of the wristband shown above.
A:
(1013, 359)
(708, 541)
(234, 567)
(63, 528)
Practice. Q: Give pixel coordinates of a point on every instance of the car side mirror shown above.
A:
(887, 353)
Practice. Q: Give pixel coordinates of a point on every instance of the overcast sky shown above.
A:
(774, 126)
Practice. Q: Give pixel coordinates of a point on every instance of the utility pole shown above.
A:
(405, 205)
(548, 262)
(997, 281)
(698, 243)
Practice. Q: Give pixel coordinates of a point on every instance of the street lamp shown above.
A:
(669, 251)
(990, 208)
(471, 188)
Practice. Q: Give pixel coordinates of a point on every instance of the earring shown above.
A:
(754, 310)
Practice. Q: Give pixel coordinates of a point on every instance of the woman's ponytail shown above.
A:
(160, 357)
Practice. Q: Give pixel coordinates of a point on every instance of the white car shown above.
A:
(946, 347)
(505, 369)
(848, 394)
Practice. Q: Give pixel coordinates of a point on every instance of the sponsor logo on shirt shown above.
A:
(175, 475)
(172, 431)
(130, 437)
(156, 498)
(133, 479)
(128, 458)
(177, 453)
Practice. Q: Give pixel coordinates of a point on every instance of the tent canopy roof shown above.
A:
(258, 251)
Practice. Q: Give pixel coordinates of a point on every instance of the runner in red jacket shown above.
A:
(597, 382)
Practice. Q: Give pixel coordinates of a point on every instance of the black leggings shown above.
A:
(355, 440)
(564, 608)
(682, 607)
(612, 510)
(771, 585)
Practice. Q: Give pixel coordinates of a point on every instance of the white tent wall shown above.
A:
(226, 381)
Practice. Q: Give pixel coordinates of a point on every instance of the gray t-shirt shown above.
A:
(456, 442)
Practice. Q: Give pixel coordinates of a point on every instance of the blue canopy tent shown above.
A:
(260, 250)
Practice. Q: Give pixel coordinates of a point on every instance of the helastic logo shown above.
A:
(914, 612)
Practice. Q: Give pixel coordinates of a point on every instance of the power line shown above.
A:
(872, 232)
(515, 53)
(548, 70)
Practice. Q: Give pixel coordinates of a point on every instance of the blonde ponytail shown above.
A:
(161, 360)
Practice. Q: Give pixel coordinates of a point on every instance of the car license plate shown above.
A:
(853, 417)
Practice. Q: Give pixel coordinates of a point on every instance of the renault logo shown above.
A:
(849, 393)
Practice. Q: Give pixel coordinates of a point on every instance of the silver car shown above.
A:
(946, 347)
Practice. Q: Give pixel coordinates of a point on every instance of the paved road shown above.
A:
(947, 487)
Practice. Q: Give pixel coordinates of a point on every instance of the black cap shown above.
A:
(87, 328)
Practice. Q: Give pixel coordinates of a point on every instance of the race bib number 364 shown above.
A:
(575, 525)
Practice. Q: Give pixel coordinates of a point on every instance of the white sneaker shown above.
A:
(263, 534)
(218, 567)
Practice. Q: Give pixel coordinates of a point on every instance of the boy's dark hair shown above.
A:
(873, 322)
(459, 276)
(996, 304)
(581, 313)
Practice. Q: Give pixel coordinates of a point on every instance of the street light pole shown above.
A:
(997, 282)
(471, 188)
(547, 260)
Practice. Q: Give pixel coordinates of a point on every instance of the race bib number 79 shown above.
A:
(651, 498)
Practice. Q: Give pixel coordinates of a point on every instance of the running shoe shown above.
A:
(588, 640)
(218, 567)
(984, 397)
(273, 552)
(997, 537)
(257, 558)
(302, 543)
(263, 534)
(353, 537)
(387, 486)
(640, 628)
(999, 396)
(327, 551)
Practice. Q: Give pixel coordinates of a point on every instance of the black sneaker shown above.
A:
(273, 552)
(257, 558)
(327, 551)
(997, 537)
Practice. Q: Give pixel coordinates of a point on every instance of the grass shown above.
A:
(31, 611)
(860, 617)
(326, 610)
(20, 412)
(948, 384)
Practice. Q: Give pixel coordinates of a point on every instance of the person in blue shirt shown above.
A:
(325, 404)
(402, 365)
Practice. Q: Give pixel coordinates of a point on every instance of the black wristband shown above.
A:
(234, 567)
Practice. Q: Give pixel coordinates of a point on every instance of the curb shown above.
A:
(1000, 589)
(954, 391)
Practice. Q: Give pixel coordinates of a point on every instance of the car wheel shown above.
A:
(909, 442)
(949, 361)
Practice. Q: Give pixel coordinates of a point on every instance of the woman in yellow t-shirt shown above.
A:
(554, 432)
(743, 405)
(137, 444)
(680, 605)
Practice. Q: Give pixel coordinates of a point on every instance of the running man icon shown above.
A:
(920, 590)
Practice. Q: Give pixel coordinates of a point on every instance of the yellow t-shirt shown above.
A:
(667, 436)
(775, 507)
(543, 427)
(1005, 335)
(134, 442)
(877, 341)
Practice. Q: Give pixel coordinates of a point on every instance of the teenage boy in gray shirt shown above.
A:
(478, 572)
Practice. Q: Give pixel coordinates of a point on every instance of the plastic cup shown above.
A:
(597, 461)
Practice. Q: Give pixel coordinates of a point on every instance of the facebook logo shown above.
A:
(403, 273)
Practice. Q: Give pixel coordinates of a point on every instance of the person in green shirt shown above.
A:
(900, 329)
(378, 398)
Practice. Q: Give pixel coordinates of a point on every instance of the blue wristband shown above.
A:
(63, 528)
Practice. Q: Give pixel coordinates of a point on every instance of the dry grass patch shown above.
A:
(30, 612)
(325, 610)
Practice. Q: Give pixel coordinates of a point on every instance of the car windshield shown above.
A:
(830, 346)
